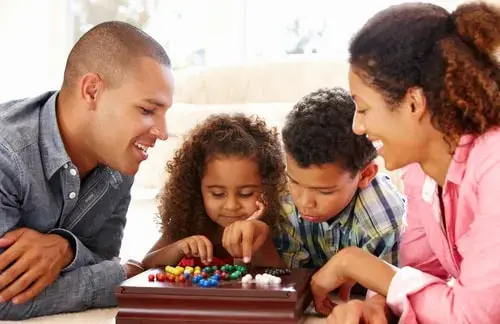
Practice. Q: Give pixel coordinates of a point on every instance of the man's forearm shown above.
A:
(86, 287)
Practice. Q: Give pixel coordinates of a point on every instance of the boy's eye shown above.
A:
(323, 192)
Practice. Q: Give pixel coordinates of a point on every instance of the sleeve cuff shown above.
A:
(73, 241)
(407, 281)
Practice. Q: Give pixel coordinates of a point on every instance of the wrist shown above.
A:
(67, 250)
(366, 269)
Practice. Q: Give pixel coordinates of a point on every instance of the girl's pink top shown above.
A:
(451, 269)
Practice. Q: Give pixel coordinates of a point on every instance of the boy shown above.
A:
(335, 199)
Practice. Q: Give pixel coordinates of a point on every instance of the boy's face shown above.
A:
(320, 192)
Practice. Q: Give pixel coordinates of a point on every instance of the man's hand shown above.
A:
(241, 239)
(31, 262)
(371, 311)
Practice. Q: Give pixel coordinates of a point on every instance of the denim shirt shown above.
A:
(41, 189)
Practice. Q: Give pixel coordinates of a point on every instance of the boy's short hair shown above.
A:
(318, 131)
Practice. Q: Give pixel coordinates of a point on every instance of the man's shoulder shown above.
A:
(20, 120)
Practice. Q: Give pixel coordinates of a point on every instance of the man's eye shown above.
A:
(146, 112)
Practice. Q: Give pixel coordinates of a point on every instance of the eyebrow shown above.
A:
(155, 102)
(317, 188)
(239, 187)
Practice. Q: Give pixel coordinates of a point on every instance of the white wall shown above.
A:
(35, 40)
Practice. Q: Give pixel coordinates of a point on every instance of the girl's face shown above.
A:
(231, 187)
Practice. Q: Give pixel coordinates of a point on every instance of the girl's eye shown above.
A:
(246, 194)
(218, 194)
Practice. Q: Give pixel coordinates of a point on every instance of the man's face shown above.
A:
(320, 192)
(130, 117)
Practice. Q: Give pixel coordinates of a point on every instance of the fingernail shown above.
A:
(2, 300)
(209, 260)
(15, 301)
(246, 259)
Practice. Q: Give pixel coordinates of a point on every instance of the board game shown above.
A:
(172, 296)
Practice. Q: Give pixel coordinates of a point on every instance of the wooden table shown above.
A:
(143, 301)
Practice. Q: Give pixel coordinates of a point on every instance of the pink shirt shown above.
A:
(451, 274)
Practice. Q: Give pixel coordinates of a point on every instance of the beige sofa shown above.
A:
(266, 89)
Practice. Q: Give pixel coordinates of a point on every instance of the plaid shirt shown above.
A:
(373, 221)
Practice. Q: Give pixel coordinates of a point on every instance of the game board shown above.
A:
(231, 301)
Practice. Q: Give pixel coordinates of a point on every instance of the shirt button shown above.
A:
(72, 172)
(66, 166)
(72, 195)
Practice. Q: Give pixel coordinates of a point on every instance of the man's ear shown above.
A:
(90, 86)
(367, 174)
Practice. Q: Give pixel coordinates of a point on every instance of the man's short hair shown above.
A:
(110, 48)
(318, 131)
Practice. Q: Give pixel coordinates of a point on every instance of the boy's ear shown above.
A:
(367, 174)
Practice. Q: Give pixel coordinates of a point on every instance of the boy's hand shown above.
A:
(241, 239)
(197, 246)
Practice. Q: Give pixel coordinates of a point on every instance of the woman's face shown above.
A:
(399, 133)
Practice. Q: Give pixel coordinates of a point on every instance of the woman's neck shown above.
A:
(438, 159)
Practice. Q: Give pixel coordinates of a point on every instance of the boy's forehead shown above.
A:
(318, 176)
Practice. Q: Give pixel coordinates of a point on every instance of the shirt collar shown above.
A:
(344, 215)
(458, 163)
(54, 155)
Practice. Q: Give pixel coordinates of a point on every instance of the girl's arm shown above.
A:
(162, 253)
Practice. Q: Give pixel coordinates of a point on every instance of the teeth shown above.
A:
(142, 147)
(378, 144)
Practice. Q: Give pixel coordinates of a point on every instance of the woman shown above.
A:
(427, 89)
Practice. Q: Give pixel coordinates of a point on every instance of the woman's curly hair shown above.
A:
(453, 58)
(181, 209)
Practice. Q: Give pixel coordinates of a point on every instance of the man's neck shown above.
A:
(73, 134)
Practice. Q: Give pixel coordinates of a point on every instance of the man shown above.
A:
(67, 161)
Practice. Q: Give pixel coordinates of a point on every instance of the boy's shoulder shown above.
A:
(288, 209)
(380, 204)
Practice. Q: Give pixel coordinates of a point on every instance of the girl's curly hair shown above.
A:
(452, 57)
(181, 210)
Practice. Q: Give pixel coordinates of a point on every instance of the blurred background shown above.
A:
(252, 56)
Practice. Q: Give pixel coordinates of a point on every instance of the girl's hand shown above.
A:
(197, 246)
(259, 212)
(241, 239)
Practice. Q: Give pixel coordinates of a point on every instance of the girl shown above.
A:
(434, 79)
(229, 169)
